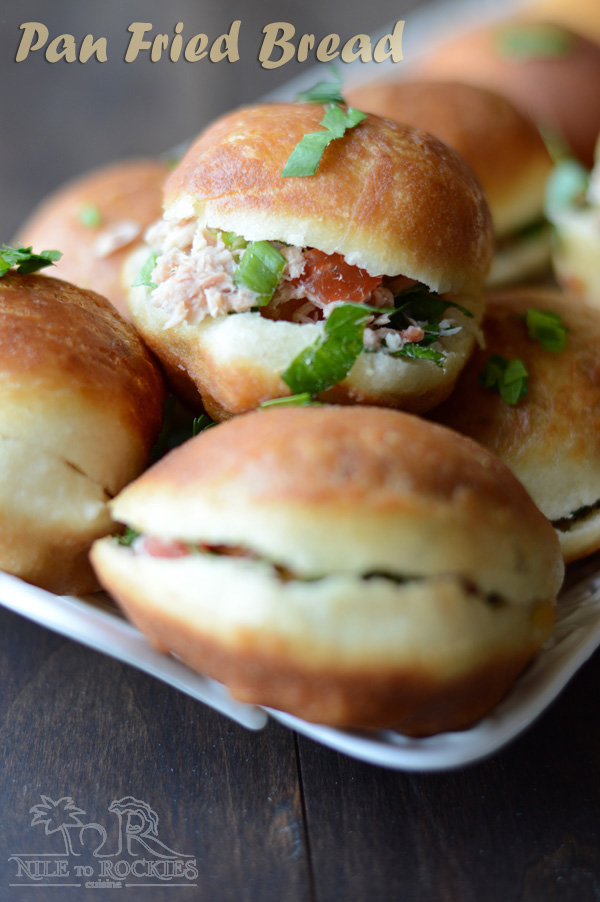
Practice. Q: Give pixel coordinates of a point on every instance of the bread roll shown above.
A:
(551, 438)
(545, 69)
(354, 566)
(95, 221)
(501, 144)
(81, 406)
(386, 201)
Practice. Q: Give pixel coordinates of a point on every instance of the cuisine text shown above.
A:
(280, 44)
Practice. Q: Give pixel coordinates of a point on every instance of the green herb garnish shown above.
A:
(324, 91)
(508, 377)
(24, 259)
(305, 158)
(90, 216)
(201, 423)
(546, 328)
(233, 242)
(145, 273)
(127, 537)
(418, 350)
(330, 358)
(300, 400)
(260, 269)
(424, 306)
(185, 431)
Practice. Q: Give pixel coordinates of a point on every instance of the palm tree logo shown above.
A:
(60, 816)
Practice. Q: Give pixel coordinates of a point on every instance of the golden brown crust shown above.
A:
(402, 698)
(387, 485)
(378, 571)
(129, 193)
(374, 459)
(551, 438)
(406, 701)
(560, 90)
(66, 354)
(80, 407)
(503, 146)
(389, 198)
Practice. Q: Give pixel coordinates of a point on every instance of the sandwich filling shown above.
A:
(196, 273)
(577, 518)
(151, 546)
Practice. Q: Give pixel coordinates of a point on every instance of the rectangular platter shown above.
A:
(97, 623)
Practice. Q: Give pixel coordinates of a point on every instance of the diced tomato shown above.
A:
(330, 278)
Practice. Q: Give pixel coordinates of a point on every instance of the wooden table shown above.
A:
(270, 815)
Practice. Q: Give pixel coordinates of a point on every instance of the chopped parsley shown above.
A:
(127, 537)
(306, 156)
(533, 40)
(419, 306)
(24, 259)
(546, 328)
(419, 350)
(508, 377)
(145, 274)
(324, 91)
(260, 270)
(301, 400)
(567, 187)
(201, 423)
(330, 359)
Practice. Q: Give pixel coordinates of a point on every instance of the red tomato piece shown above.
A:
(330, 278)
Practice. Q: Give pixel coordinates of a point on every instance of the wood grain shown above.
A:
(269, 816)
(75, 723)
(522, 826)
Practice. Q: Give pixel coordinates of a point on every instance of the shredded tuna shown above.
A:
(391, 339)
(295, 260)
(194, 277)
(197, 281)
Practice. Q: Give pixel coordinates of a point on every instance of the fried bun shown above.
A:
(354, 566)
(550, 438)
(389, 209)
(81, 406)
(95, 220)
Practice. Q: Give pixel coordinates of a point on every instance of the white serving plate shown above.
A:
(94, 621)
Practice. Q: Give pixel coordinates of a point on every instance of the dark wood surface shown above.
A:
(269, 815)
